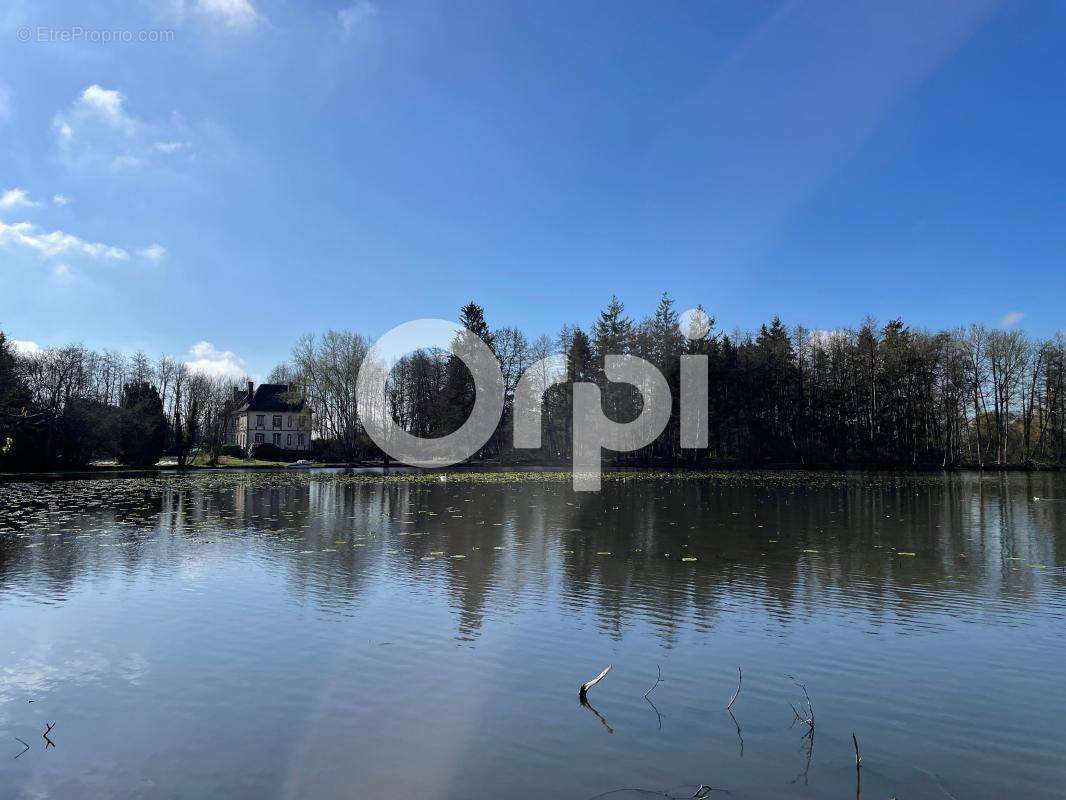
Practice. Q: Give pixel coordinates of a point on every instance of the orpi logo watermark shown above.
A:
(593, 431)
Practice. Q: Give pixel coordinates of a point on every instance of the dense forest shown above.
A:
(878, 396)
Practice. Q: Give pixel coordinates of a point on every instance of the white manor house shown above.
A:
(272, 413)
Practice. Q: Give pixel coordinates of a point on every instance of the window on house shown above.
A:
(277, 439)
(288, 440)
(290, 420)
(277, 421)
(260, 420)
(259, 438)
(301, 440)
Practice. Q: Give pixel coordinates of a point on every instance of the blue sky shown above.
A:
(283, 167)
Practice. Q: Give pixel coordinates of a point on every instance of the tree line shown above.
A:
(65, 407)
(877, 396)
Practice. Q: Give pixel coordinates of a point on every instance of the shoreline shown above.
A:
(118, 471)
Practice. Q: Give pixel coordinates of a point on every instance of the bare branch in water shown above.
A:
(17, 739)
(809, 722)
(740, 680)
(701, 792)
(586, 686)
(809, 719)
(658, 680)
(48, 742)
(858, 767)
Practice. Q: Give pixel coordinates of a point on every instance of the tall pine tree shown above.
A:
(142, 426)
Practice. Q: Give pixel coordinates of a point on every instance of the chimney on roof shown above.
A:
(251, 386)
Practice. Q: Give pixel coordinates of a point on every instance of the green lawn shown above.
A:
(229, 461)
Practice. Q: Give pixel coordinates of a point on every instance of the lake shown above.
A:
(296, 634)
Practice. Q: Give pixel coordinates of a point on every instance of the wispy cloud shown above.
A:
(352, 17)
(1011, 319)
(16, 198)
(206, 359)
(64, 132)
(169, 147)
(236, 15)
(153, 252)
(50, 244)
(61, 200)
(97, 127)
(98, 130)
(126, 162)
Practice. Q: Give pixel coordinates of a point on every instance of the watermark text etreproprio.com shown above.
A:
(77, 33)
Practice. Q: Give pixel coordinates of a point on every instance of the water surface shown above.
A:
(312, 635)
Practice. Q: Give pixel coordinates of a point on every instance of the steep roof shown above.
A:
(240, 398)
(273, 397)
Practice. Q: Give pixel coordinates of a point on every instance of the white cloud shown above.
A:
(61, 200)
(7, 104)
(153, 252)
(62, 273)
(355, 15)
(207, 360)
(25, 347)
(54, 243)
(16, 198)
(65, 132)
(235, 14)
(1011, 319)
(822, 338)
(106, 105)
(97, 130)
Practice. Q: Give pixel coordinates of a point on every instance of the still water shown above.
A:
(313, 635)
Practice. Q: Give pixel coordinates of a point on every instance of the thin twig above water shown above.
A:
(588, 685)
(658, 680)
(736, 694)
(809, 719)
